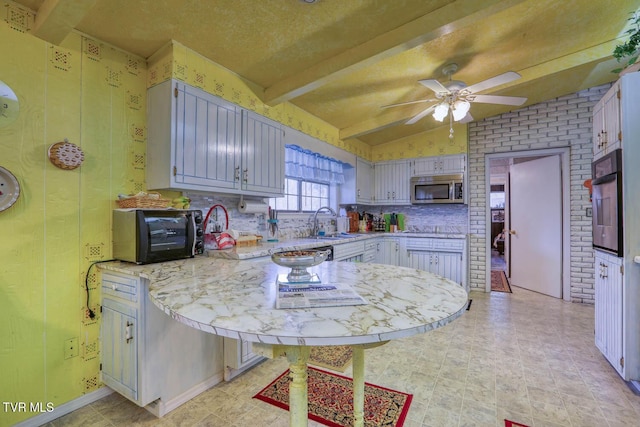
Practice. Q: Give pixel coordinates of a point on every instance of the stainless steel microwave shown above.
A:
(437, 189)
(144, 236)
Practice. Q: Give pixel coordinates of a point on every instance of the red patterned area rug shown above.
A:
(508, 423)
(331, 400)
(499, 281)
(335, 357)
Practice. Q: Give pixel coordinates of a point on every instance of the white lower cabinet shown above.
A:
(370, 250)
(148, 357)
(238, 357)
(388, 250)
(445, 264)
(444, 257)
(609, 309)
(350, 252)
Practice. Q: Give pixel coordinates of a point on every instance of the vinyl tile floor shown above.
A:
(522, 356)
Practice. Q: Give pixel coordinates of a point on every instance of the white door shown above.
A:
(536, 225)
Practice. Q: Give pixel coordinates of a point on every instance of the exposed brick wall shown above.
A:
(561, 122)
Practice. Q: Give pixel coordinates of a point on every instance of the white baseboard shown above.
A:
(66, 408)
(634, 386)
(160, 408)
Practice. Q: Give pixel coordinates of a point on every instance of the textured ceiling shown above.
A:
(342, 60)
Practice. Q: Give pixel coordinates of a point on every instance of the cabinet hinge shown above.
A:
(175, 92)
(620, 136)
(101, 366)
(175, 171)
(618, 94)
(622, 269)
(622, 361)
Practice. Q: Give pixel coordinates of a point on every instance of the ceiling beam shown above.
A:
(452, 17)
(596, 53)
(55, 19)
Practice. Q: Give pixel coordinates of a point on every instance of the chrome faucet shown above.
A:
(314, 229)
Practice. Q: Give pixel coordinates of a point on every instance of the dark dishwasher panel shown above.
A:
(326, 248)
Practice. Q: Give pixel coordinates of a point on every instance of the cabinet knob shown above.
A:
(114, 287)
(512, 232)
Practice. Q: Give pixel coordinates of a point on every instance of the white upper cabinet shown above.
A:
(364, 181)
(607, 132)
(198, 141)
(358, 184)
(262, 156)
(392, 182)
(439, 165)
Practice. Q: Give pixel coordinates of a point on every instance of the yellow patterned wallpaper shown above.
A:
(95, 96)
(432, 143)
(180, 62)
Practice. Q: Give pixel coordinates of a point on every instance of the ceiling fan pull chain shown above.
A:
(450, 125)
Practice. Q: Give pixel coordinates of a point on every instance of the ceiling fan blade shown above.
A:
(434, 85)
(408, 103)
(493, 81)
(497, 99)
(421, 115)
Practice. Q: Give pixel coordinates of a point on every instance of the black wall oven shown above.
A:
(607, 203)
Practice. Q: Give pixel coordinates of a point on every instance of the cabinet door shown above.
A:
(238, 356)
(262, 156)
(120, 348)
(445, 264)
(421, 260)
(609, 309)
(364, 179)
(612, 119)
(388, 252)
(452, 164)
(425, 166)
(598, 129)
(207, 144)
(383, 173)
(401, 176)
(449, 265)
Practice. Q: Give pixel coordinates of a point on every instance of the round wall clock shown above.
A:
(9, 189)
(9, 105)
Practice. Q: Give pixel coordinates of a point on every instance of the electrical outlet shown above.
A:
(71, 348)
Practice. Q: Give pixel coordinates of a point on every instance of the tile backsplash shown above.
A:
(448, 219)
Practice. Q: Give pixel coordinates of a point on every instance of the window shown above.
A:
(302, 196)
(497, 197)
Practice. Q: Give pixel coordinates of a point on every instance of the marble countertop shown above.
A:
(236, 299)
(267, 248)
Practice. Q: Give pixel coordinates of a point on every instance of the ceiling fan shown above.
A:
(454, 97)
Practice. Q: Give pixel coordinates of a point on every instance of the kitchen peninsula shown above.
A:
(236, 299)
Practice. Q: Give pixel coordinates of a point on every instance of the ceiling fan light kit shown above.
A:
(455, 97)
(441, 111)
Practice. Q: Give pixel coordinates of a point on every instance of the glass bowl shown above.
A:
(299, 261)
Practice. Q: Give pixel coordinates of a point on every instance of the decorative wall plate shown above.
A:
(66, 155)
(9, 189)
(9, 105)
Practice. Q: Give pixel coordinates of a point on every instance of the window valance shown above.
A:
(306, 164)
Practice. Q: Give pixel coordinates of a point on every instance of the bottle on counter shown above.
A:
(393, 223)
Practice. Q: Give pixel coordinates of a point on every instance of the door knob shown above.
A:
(512, 232)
